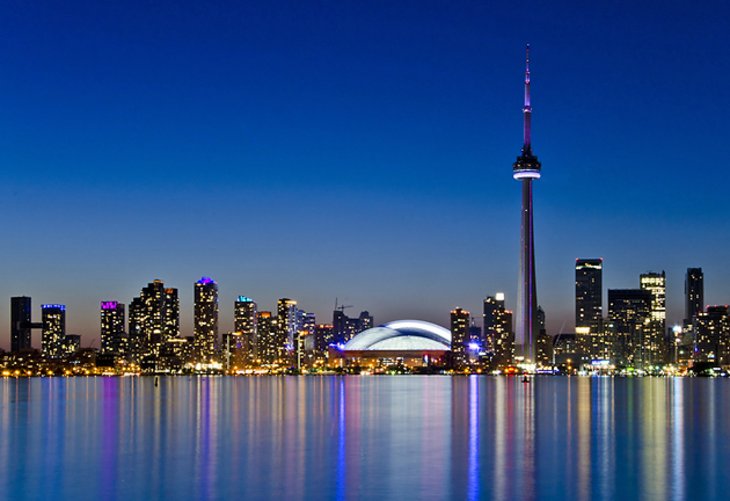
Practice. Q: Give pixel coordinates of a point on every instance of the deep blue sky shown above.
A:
(357, 149)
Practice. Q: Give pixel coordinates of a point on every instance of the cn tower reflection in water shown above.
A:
(364, 438)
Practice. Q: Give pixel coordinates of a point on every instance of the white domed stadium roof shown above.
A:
(402, 335)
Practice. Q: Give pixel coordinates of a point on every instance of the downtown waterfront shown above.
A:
(378, 437)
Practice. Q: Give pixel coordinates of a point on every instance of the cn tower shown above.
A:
(526, 169)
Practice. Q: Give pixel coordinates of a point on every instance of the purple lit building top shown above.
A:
(109, 305)
(206, 281)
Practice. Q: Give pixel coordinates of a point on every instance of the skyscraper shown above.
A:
(526, 169)
(712, 336)
(629, 317)
(170, 314)
(20, 323)
(286, 325)
(112, 327)
(589, 309)
(244, 321)
(154, 318)
(655, 344)
(694, 294)
(498, 332)
(205, 319)
(460, 336)
(53, 331)
(267, 348)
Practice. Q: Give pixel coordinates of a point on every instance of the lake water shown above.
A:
(402, 437)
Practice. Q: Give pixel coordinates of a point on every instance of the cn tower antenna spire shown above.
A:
(527, 109)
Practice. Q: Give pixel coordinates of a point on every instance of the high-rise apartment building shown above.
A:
(498, 333)
(20, 323)
(170, 314)
(154, 318)
(460, 336)
(287, 325)
(589, 309)
(53, 334)
(268, 350)
(112, 327)
(244, 322)
(324, 335)
(712, 336)
(205, 318)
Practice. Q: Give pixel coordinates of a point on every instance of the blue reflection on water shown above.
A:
(364, 438)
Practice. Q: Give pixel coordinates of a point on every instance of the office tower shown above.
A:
(694, 294)
(498, 331)
(267, 347)
(244, 321)
(629, 318)
(205, 319)
(460, 337)
(712, 336)
(589, 309)
(20, 323)
(526, 169)
(324, 335)
(655, 345)
(53, 317)
(112, 327)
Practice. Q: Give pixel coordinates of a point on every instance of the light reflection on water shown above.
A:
(364, 438)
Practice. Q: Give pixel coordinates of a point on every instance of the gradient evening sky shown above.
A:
(357, 149)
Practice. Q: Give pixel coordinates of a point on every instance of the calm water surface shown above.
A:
(364, 438)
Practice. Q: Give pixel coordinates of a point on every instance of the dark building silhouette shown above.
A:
(20, 324)
(694, 294)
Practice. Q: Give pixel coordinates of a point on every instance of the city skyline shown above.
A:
(358, 167)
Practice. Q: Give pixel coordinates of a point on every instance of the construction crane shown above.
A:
(342, 306)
